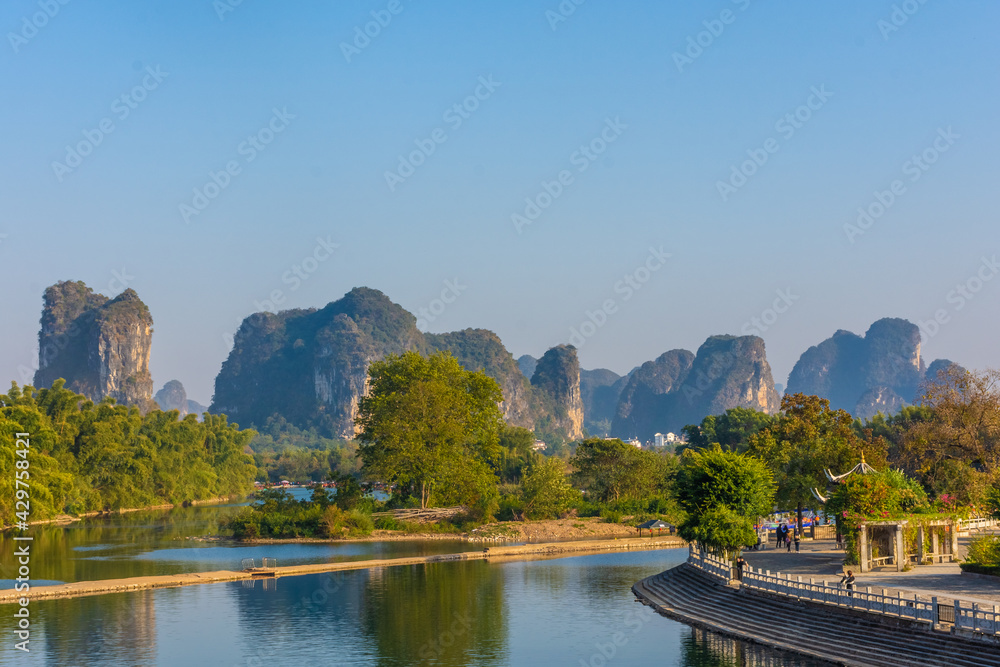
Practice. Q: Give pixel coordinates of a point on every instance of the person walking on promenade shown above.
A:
(797, 539)
(848, 581)
(740, 564)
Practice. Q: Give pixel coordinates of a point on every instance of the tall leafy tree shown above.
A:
(731, 430)
(433, 428)
(807, 438)
(723, 492)
(611, 470)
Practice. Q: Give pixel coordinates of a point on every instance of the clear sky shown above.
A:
(663, 120)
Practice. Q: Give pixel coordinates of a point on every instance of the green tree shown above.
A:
(516, 453)
(807, 438)
(732, 429)
(723, 493)
(611, 470)
(545, 492)
(432, 427)
(87, 456)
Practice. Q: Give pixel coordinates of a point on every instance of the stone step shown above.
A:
(689, 593)
(845, 643)
(846, 629)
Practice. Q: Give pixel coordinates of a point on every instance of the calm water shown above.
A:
(156, 542)
(570, 611)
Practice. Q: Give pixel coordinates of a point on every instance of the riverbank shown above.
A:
(72, 518)
(549, 530)
(495, 553)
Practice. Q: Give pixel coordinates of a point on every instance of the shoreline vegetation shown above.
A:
(63, 519)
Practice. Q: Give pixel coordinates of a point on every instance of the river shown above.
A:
(567, 611)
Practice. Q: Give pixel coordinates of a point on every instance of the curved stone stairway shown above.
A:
(820, 631)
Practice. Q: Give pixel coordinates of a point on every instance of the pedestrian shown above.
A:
(848, 581)
(740, 563)
(788, 544)
(797, 538)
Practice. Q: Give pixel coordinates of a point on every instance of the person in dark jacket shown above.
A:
(848, 581)
(740, 564)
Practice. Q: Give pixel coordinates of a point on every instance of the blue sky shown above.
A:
(681, 127)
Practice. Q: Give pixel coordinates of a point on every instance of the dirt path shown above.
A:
(493, 553)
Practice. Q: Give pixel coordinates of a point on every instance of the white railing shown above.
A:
(709, 563)
(965, 615)
(966, 525)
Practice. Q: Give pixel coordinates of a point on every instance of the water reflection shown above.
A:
(571, 611)
(442, 613)
(705, 649)
(156, 542)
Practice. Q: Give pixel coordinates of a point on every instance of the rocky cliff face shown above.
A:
(556, 382)
(174, 397)
(310, 367)
(881, 371)
(681, 388)
(100, 346)
(599, 390)
(481, 350)
(643, 406)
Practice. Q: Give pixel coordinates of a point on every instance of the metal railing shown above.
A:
(965, 615)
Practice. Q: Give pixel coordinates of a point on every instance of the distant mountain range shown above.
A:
(308, 367)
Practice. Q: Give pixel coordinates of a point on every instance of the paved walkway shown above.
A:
(820, 559)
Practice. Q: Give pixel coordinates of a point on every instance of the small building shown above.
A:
(539, 446)
(664, 440)
(635, 442)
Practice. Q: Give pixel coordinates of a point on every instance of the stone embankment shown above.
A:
(829, 634)
(503, 553)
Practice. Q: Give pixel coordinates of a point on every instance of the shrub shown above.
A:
(611, 516)
(985, 550)
(388, 523)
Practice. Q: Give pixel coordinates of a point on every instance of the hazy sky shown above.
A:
(618, 120)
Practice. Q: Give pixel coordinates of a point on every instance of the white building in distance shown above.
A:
(661, 440)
